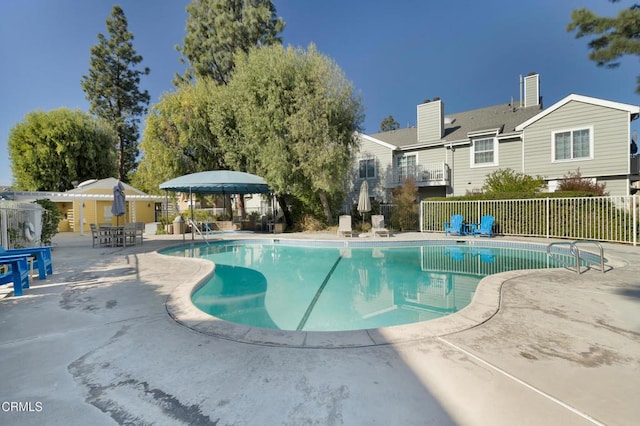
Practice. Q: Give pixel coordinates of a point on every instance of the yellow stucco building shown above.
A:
(91, 203)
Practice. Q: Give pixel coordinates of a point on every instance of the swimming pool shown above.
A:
(330, 286)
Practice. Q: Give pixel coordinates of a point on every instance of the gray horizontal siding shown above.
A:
(611, 141)
(383, 156)
(466, 178)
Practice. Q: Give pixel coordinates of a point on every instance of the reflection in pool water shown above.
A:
(346, 288)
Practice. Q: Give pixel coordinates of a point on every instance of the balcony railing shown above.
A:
(437, 174)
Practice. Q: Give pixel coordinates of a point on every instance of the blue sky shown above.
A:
(469, 53)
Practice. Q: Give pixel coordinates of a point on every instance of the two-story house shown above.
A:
(451, 154)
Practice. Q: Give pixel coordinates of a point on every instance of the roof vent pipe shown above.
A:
(521, 89)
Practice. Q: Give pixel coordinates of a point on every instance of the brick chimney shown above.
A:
(430, 121)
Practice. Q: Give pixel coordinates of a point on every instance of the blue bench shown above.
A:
(18, 273)
(42, 256)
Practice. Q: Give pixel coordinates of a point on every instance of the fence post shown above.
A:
(635, 219)
(5, 228)
(420, 216)
(548, 213)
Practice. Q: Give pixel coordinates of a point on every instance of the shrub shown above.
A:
(50, 220)
(309, 223)
(507, 180)
(573, 181)
(405, 213)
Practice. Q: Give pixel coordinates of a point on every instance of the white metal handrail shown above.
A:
(193, 225)
(575, 250)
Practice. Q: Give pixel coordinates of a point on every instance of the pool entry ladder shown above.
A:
(194, 226)
(575, 250)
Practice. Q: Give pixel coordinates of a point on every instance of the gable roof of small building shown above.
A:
(502, 119)
(632, 109)
(103, 186)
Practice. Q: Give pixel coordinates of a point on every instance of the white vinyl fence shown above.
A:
(20, 224)
(613, 219)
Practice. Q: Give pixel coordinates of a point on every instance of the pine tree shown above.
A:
(112, 88)
(218, 29)
(614, 37)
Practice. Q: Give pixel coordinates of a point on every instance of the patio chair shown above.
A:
(41, 255)
(344, 227)
(377, 225)
(484, 228)
(129, 233)
(17, 272)
(455, 225)
(98, 237)
(139, 232)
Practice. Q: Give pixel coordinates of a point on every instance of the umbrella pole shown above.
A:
(191, 205)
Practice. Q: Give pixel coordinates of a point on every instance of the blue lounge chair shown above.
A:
(18, 272)
(486, 255)
(485, 228)
(456, 253)
(455, 225)
(42, 256)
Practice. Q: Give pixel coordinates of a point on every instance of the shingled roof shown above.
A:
(503, 117)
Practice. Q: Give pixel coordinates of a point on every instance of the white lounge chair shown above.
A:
(377, 225)
(344, 227)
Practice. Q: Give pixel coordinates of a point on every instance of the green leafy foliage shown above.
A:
(112, 88)
(50, 220)
(507, 180)
(218, 29)
(613, 37)
(50, 150)
(288, 115)
(178, 137)
(293, 119)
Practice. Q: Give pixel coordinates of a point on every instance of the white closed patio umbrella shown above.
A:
(364, 203)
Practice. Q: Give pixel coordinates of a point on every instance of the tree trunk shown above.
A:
(325, 206)
(285, 210)
(229, 207)
(241, 207)
(121, 158)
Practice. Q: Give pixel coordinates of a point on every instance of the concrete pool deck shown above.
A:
(95, 344)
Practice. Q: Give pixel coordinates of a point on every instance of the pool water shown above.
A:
(293, 287)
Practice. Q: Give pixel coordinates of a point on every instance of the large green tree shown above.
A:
(613, 37)
(218, 29)
(51, 150)
(178, 138)
(112, 88)
(295, 114)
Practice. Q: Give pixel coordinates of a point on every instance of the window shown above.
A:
(483, 152)
(572, 145)
(406, 165)
(367, 168)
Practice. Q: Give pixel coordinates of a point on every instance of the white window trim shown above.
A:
(405, 155)
(573, 129)
(472, 151)
(375, 168)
